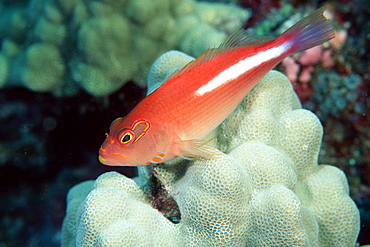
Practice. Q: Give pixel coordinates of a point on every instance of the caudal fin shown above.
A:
(310, 31)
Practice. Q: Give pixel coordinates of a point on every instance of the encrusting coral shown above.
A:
(44, 68)
(101, 45)
(267, 189)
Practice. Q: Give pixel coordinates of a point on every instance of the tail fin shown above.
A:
(310, 31)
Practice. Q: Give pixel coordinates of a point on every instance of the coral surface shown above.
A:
(267, 189)
(61, 46)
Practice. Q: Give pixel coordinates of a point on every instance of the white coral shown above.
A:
(266, 190)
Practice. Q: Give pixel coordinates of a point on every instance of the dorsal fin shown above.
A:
(243, 37)
(183, 69)
(239, 38)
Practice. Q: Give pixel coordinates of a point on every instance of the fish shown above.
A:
(179, 118)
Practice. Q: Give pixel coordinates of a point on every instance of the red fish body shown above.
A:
(178, 118)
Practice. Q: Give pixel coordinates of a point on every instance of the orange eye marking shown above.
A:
(111, 141)
(103, 150)
(106, 134)
(146, 129)
(126, 137)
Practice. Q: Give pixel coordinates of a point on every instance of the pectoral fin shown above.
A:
(193, 148)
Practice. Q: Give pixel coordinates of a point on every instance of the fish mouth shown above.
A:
(111, 159)
(102, 160)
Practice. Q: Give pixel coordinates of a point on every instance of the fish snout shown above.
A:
(103, 155)
(110, 158)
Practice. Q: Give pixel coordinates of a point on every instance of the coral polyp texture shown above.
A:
(267, 189)
(62, 46)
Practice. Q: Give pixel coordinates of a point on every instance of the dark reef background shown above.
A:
(50, 143)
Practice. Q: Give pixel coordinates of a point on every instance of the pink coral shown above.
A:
(305, 75)
(299, 69)
(291, 68)
(327, 59)
(340, 38)
(310, 56)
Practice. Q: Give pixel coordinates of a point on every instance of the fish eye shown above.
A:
(126, 137)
